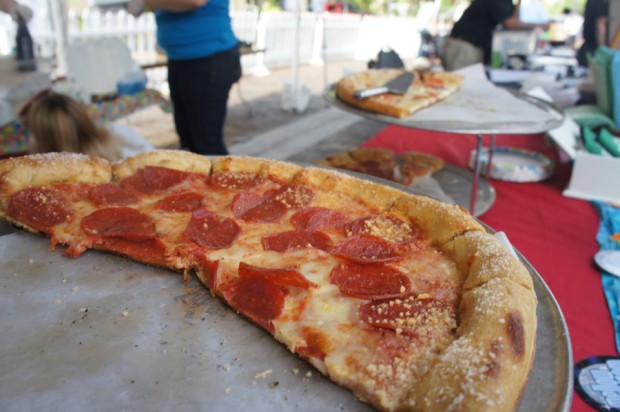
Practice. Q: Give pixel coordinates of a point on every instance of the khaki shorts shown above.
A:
(459, 53)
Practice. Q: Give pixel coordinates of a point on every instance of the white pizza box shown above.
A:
(594, 177)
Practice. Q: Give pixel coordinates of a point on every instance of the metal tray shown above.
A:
(455, 182)
(450, 126)
(458, 182)
(102, 333)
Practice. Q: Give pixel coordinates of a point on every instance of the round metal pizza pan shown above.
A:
(104, 333)
(555, 117)
(455, 185)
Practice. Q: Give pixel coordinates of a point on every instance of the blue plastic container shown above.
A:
(132, 83)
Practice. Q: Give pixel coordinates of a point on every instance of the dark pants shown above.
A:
(584, 51)
(199, 91)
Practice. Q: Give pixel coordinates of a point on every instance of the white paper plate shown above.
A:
(514, 164)
(609, 261)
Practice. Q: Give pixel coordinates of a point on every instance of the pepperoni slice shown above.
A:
(296, 239)
(369, 281)
(379, 169)
(244, 201)
(235, 180)
(151, 250)
(182, 202)
(318, 218)
(294, 196)
(265, 212)
(407, 316)
(389, 228)
(39, 207)
(365, 249)
(155, 178)
(257, 298)
(110, 194)
(119, 222)
(210, 272)
(207, 229)
(277, 276)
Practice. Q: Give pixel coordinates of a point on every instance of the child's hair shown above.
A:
(59, 123)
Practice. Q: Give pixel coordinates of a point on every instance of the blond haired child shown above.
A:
(59, 123)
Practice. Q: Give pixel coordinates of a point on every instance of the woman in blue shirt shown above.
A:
(203, 64)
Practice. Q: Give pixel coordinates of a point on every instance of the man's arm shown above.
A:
(601, 31)
(175, 5)
(514, 22)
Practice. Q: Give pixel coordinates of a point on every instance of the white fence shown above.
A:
(277, 34)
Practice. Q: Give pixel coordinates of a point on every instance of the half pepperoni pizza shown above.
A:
(407, 302)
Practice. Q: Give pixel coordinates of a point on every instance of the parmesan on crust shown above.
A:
(237, 164)
(487, 365)
(18, 173)
(484, 258)
(441, 222)
(283, 171)
(375, 195)
(172, 159)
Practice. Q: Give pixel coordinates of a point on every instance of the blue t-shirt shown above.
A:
(197, 33)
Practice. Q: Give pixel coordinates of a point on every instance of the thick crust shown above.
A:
(49, 168)
(283, 171)
(486, 367)
(172, 159)
(45, 169)
(440, 222)
(236, 164)
(484, 258)
(377, 196)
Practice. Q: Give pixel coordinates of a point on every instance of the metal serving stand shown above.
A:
(474, 128)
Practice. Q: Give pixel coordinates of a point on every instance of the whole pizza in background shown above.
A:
(408, 302)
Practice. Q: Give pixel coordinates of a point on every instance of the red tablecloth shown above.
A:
(556, 234)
